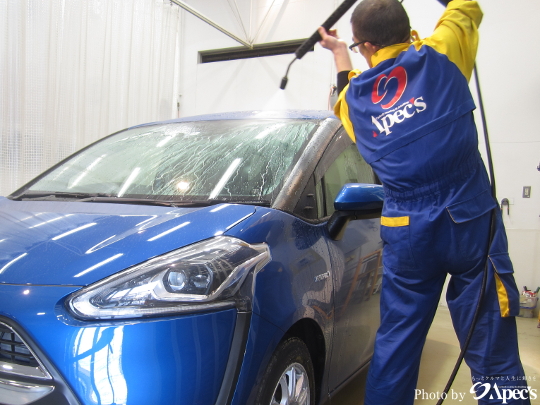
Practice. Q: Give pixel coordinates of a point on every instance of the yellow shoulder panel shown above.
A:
(456, 34)
(341, 109)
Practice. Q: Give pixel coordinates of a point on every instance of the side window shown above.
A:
(340, 164)
(348, 167)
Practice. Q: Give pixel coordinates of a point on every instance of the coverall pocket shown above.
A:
(472, 208)
(395, 233)
(468, 231)
(507, 292)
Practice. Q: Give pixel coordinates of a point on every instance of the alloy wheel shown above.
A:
(293, 387)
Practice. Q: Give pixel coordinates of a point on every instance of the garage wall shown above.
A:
(74, 71)
(254, 83)
(507, 62)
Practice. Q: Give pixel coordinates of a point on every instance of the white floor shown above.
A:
(442, 349)
(438, 359)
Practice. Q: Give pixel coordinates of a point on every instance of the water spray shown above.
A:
(316, 37)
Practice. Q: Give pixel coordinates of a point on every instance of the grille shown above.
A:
(13, 350)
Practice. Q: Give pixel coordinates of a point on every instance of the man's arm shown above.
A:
(342, 80)
(445, 2)
(338, 47)
(342, 59)
(456, 34)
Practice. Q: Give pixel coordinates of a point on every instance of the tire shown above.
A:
(289, 378)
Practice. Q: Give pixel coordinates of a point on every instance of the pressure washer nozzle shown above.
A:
(285, 79)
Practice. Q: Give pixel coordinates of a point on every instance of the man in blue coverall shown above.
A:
(411, 117)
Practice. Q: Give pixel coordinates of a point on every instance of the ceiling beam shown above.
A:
(191, 10)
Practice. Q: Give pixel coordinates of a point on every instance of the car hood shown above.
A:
(78, 243)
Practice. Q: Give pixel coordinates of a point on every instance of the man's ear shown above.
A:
(371, 48)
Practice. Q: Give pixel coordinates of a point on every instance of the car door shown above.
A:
(355, 262)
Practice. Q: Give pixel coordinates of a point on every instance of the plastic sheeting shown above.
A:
(232, 160)
(74, 71)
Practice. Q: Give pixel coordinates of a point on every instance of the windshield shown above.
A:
(231, 160)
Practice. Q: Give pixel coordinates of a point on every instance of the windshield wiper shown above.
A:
(110, 198)
(56, 195)
(263, 203)
(171, 203)
(128, 200)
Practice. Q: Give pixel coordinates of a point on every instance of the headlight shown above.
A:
(197, 277)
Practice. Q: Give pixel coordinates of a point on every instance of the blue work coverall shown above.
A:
(411, 118)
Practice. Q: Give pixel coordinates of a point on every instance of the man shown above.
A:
(411, 117)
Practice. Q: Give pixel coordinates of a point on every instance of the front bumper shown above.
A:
(188, 359)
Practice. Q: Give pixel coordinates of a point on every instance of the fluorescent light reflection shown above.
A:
(237, 222)
(147, 220)
(80, 228)
(85, 172)
(168, 231)
(32, 216)
(51, 220)
(225, 178)
(129, 180)
(219, 208)
(164, 141)
(104, 262)
(183, 186)
(46, 222)
(11, 262)
(99, 245)
(269, 130)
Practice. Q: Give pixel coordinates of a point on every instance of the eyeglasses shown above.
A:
(354, 47)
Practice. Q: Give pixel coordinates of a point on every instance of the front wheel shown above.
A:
(289, 378)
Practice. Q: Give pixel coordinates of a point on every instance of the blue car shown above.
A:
(212, 260)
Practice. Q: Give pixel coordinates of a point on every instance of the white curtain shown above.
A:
(73, 71)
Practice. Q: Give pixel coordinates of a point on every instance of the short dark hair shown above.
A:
(381, 22)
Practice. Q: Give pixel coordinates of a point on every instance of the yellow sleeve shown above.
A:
(456, 34)
(341, 109)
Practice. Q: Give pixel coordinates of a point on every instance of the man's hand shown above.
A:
(330, 40)
(338, 47)
(444, 2)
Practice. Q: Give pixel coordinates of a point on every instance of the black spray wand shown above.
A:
(316, 37)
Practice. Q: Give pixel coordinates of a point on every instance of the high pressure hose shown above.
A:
(444, 395)
(316, 37)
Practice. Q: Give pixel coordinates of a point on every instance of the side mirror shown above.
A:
(355, 201)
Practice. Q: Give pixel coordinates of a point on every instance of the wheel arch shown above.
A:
(309, 331)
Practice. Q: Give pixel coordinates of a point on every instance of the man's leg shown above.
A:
(408, 303)
(492, 355)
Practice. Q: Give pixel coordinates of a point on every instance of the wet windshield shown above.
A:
(232, 160)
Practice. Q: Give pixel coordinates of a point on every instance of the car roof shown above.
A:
(255, 114)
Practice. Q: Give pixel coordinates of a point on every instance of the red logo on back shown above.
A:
(398, 74)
